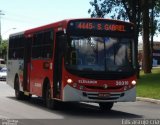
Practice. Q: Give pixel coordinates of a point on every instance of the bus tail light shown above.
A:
(133, 82)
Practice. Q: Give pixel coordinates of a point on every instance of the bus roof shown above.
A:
(62, 23)
(15, 34)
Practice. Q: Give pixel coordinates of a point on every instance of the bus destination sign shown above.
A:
(100, 26)
(110, 26)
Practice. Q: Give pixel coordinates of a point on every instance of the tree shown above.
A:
(146, 43)
(3, 49)
(126, 10)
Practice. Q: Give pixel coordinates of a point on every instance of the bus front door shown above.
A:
(57, 75)
(26, 71)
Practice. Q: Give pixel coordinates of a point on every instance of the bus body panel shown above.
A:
(15, 67)
(120, 90)
(117, 90)
(38, 74)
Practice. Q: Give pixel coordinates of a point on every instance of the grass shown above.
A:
(149, 84)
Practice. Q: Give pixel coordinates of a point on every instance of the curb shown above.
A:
(156, 101)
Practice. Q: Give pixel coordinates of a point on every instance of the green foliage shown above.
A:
(114, 8)
(3, 49)
(125, 10)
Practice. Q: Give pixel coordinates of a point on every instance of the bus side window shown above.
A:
(16, 47)
(48, 44)
(36, 46)
(42, 47)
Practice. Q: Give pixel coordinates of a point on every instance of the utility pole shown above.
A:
(0, 25)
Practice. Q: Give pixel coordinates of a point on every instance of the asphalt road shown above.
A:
(34, 112)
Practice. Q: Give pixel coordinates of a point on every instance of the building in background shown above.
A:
(156, 53)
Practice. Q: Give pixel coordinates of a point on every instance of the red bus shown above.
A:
(75, 60)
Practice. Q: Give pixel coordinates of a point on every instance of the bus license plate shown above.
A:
(104, 95)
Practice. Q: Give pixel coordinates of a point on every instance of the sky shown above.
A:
(25, 14)
(21, 15)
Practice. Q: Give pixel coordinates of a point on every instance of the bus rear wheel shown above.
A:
(106, 106)
(18, 94)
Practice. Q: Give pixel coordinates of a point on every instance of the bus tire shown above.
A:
(49, 102)
(18, 94)
(106, 106)
(27, 97)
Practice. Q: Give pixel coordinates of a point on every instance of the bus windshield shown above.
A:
(103, 54)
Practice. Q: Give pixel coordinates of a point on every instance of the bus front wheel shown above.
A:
(106, 106)
(49, 102)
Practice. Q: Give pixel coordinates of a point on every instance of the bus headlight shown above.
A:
(69, 81)
(133, 82)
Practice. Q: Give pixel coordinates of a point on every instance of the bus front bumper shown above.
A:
(75, 95)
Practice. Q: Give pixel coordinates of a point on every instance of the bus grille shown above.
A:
(112, 96)
(102, 88)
